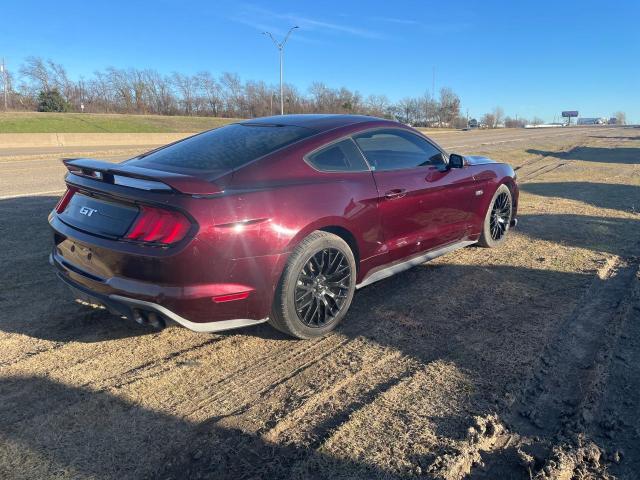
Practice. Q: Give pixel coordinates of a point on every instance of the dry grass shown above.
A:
(435, 372)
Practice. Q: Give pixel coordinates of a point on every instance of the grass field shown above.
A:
(34, 122)
(38, 122)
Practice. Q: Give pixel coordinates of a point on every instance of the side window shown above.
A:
(394, 149)
(342, 156)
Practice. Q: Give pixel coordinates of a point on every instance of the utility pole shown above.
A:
(426, 108)
(433, 88)
(433, 83)
(280, 47)
(3, 71)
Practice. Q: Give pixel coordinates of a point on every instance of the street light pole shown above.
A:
(280, 47)
(4, 83)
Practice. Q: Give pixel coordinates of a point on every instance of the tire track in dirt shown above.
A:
(411, 410)
(526, 173)
(393, 392)
(307, 416)
(542, 171)
(236, 392)
(567, 378)
(583, 391)
(619, 407)
(547, 432)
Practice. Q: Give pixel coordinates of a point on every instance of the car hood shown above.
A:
(477, 160)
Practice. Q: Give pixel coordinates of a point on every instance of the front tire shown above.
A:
(498, 218)
(316, 287)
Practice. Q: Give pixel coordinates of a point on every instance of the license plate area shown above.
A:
(98, 216)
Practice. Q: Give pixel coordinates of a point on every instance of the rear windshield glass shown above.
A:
(225, 148)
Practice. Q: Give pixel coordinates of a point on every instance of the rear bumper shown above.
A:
(122, 304)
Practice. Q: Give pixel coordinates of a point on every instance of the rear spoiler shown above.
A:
(139, 177)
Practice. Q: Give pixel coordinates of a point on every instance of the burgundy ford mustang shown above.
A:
(279, 219)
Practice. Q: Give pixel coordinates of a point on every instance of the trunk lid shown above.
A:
(121, 202)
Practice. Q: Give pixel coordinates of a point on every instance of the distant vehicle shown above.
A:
(590, 121)
(277, 218)
(613, 121)
(473, 123)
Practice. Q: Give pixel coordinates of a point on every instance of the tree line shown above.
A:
(45, 85)
(41, 84)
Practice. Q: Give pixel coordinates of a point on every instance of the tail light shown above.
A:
(65, 199)
(158, 226)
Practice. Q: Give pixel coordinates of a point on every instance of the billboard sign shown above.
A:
(570, 113)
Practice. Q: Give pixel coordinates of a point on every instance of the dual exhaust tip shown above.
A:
(152, 318)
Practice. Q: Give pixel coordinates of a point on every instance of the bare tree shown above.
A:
(322, 97)
(160, 96)
(187, 87)
(498, 116)
(488, 120)
(430, 108)
(232, 94)
(36, 72)
(377, 105)
(621, 118)
(515, 122)
(212, 92)
(60, 81)
(449, 107)
(12, 95)
(148, 91)
(408, 110)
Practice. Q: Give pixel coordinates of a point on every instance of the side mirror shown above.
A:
(456, 161)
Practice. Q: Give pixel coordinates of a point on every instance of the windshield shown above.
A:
(224, 148)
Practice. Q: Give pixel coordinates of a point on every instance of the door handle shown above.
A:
(395, 193)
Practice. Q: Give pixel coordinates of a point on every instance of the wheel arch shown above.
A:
(334, 225)
(345, 235)
(511, 184)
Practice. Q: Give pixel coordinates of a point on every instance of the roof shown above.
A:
(319, 122)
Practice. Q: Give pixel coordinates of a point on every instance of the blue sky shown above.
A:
(532, 58)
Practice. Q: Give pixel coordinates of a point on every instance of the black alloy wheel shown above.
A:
(322, 287)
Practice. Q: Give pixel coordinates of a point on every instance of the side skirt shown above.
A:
(411, 262)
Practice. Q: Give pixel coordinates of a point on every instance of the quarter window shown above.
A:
(342, 156)
(397, 149)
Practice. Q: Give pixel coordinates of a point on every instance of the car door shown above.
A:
(422, 203)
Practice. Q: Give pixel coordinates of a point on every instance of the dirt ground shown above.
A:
(520, 362)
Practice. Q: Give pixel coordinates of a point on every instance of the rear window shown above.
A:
(225, 148)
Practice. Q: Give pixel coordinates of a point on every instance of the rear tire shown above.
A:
(316, 287)
(498, 218)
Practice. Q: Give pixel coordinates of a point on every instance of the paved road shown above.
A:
(38, 171)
